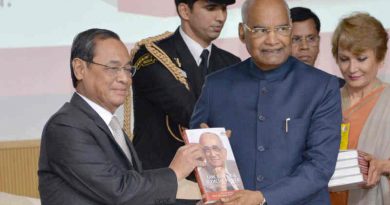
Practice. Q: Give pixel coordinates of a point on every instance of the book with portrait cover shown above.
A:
(220, 177)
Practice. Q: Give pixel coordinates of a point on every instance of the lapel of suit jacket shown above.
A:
(91, 113)
(214, 61)
(188, 64)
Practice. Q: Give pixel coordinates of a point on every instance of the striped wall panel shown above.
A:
(18, 167)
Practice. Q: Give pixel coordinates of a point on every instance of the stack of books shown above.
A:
(351, 171)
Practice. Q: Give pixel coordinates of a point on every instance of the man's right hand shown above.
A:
(186, 159)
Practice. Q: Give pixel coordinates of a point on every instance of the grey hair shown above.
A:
(244, 10)
(245, 6)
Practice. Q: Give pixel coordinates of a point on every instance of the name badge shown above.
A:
(344, 136)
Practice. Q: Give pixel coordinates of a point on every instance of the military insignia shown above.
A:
(145, 60)
(167, 62)
(177, 60)
(183, 73)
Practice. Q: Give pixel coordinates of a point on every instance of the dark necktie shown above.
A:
(204, 62)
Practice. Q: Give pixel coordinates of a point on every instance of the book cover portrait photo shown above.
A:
(220, 177)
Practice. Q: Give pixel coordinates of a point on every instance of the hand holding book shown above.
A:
(357, 169)
(186, 159)
(377, 168)
(244, 197)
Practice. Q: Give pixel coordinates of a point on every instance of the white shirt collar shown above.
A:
(103, 113)
(194, 47)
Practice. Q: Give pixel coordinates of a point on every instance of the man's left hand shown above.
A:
(244, 197)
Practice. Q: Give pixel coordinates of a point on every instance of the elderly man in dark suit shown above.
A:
(85, 156)
(284, 115)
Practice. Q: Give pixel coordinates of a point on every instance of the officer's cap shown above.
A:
(225, 2)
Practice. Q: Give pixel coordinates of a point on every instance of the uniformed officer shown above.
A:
(170, 72)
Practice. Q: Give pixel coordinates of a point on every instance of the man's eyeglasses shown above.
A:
(214, 148)
(283, 30)
(114, 71)
(310, 39)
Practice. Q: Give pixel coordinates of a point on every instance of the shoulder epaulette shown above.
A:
(156, 52)
(128, 105)
(151, 39)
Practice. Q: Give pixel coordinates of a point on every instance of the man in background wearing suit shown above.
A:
(219, 174)
(85, 156)
(305, 35)
(170, 73)
(284, 115)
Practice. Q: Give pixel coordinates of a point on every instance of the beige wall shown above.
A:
(18, 167)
